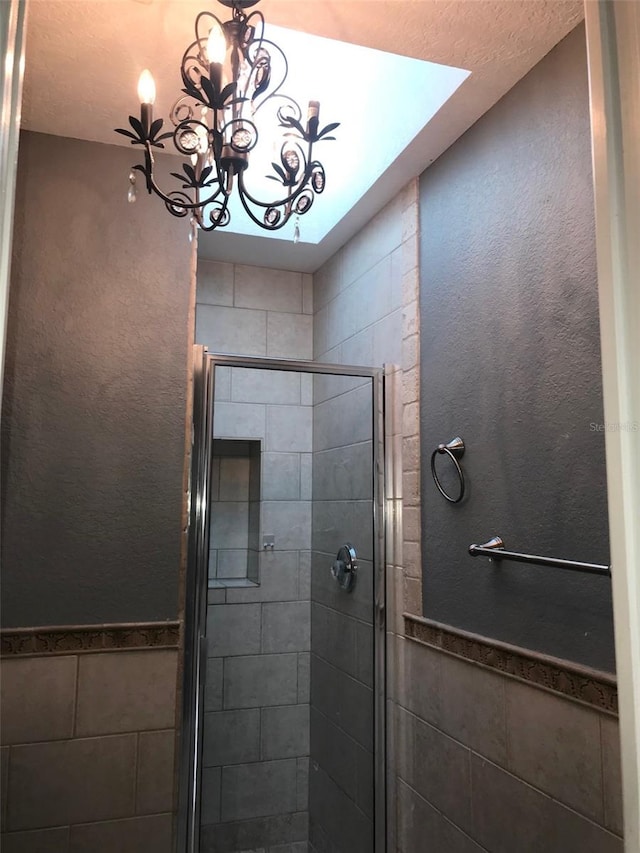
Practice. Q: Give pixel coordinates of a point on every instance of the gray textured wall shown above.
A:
(95, 393)
(511, 362)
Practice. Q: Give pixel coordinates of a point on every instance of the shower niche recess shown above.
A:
(235, 518)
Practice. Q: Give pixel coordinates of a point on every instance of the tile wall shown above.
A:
(366, 313)
(256, 726)
(88, 752)
(488, 763)
(342, 726)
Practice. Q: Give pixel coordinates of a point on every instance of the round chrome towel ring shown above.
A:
(454, 449)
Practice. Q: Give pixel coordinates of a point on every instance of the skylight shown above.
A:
(382, 102)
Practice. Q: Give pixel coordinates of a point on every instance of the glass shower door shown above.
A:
(287, 639)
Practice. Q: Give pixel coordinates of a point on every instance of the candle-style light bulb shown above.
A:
(313, 116)
(147, 95)
(146, 88)
(216, 51)
(216, 45)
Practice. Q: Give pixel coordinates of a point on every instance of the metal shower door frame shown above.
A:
(196, 582)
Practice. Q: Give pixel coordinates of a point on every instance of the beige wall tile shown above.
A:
(136, 835)
(611, 774)
(268, 289)
(307, 293)
(379, 237)
(396, 278)
(289, 429)
(410, 319)
(321, 332)
(411, 488)
(328, 281)
(215, 283)
(289, 335)
(4, 783)
(411, 524)
(53, 784)
(419, 680)
(473, 707)
(126, 692)
(412, 560)
(231, 330)
(511, 816)
(37, 698)
(436, 766)
(239, 420)
(265, 386)
(154, 792)
(555, 745)
(410, 420)
(387, 340)
(410, 288)
(54, 840)
(418, 820)
(413, 596)
(359, 348)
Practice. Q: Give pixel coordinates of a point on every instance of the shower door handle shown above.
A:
(345, 567)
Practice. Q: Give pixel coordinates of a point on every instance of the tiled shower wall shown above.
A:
(88, 752)
(256, 726)
(365, 302)
(342, 732)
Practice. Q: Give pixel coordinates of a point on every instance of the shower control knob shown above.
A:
(339, 570)
(345, 567)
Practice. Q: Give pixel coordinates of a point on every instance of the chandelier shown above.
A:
(231, 76)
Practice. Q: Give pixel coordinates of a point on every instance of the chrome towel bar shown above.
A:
(495, 549)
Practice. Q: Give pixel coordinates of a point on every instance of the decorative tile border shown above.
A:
(588, 686)
(72, 639)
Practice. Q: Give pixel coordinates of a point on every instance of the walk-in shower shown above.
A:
(283, 747)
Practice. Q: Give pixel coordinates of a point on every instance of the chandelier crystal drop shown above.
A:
(232, 75)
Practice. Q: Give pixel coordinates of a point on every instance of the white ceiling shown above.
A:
(84, 58)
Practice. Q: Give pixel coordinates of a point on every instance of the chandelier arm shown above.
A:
(260, 222)
(220, 221)
(276, 91)
(300, 185)
(152, 186)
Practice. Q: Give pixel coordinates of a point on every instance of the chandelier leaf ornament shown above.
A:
(231, 76)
